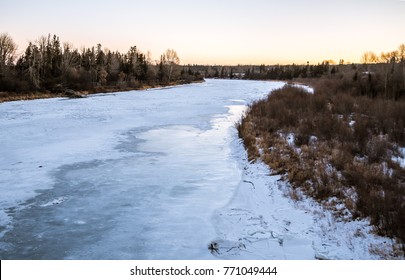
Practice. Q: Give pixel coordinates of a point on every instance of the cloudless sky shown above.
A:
(215, 31)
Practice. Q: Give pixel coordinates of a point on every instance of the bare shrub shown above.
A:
(351, 159)
(377, 149)
(301, 139)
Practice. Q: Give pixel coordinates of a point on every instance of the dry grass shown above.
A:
(343, 148)
(14, 96)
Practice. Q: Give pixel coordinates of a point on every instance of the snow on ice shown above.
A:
(154, 174)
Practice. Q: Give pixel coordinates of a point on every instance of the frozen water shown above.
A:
(132, 175)
(155, 174)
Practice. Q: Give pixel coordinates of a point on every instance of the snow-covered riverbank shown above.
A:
(262, 222)
(154, 174)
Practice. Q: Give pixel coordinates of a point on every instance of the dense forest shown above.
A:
(52, 67)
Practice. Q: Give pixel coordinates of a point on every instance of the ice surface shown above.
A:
(154, 174)
(132, 175)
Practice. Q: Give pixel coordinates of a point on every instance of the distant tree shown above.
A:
(131, 60)
(70, 57)
(141, 67)
(29, 65)
(329, 61)
(113, 63)
(161, 74)
(135, 65)
(70, 63)
(56, 56)
(100, 57)
(7, 52)
(88, 59)
(172, 60)
(149, 60)
(262, 68)
(369, 57)
(223, 73)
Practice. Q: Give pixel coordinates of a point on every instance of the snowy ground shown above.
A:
(155, 174)
(262, 222)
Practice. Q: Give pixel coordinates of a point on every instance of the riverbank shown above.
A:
(15, 96)
(341, 150)
(263, 222)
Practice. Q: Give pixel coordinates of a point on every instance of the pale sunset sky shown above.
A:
(215, 31)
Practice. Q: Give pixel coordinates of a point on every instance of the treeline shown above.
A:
(377, 76)
(288, 72)
(264, 72)
(47, 65)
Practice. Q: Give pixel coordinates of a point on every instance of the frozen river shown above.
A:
(132, 175)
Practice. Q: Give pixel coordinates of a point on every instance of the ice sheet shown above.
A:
(132, 175)
(154, 174)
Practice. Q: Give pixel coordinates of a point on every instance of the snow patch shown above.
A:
(305, 87)
(290, 139)
(401, 158)
(56, 201)
(262, 222)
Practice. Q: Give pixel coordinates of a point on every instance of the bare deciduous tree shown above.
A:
(7, 51)
(113, 63)
(149, 59)
(401, 52)
(369, 57)
(69, 59)
(171, 59)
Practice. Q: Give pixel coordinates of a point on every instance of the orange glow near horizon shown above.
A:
(216, 32)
